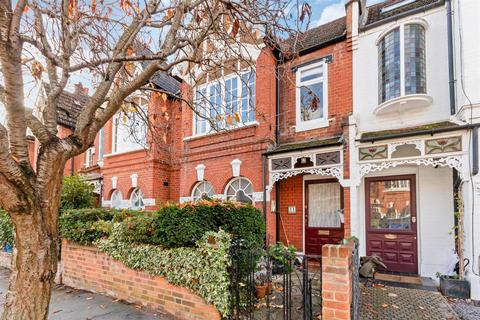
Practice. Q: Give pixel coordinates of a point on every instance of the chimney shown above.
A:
(352, 10)
(80, 89)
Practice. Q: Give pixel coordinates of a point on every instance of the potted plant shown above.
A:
(260, 285)
(264, 267)
(453, 284)
(282, 257)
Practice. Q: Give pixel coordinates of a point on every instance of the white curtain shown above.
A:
(324, 206)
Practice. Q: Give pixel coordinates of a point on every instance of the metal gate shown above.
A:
(292, 283)
(355, 307)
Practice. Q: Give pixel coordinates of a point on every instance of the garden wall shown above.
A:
(89, 269)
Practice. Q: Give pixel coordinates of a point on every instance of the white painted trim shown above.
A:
(227, 130)
(414, 20)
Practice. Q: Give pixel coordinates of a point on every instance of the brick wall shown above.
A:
(89, 269)
(337, 281)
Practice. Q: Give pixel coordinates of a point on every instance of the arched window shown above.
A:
(129, 126)
(240, 189)
(116, 199)
(136, 199)
(203, 189)
(402, 72)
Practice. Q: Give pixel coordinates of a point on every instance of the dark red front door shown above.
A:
(323, 214)
(391, 218)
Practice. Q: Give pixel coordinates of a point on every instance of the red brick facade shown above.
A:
(167, 171)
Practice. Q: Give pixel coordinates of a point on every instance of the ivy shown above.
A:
(203, 268)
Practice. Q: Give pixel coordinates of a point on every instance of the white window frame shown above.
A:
(401, 30)
(121, 199)
(116, 119)
(316, 123)
(222, 80)
(134, 192)
(252, 197)
(197, 185)
(89, 161)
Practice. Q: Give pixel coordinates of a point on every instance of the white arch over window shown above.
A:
(116, 199)
(240, 189)
(137, 199)
(202, 189)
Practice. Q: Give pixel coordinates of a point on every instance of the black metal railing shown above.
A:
(355, 307)
(292, 283)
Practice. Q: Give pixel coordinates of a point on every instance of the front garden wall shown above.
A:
(89, 269)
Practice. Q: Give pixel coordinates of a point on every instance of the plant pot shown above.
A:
(455, 288)
(269, 289)
(260, 291)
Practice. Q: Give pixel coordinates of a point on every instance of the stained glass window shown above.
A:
(389, 66)
(392, 61)
(415, 79)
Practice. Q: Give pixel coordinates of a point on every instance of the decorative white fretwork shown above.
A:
(334, 171)
(419, 145)
(454, 162)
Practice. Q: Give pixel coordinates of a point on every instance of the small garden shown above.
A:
(188, 244)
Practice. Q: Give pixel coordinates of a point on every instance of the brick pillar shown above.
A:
(336, 281)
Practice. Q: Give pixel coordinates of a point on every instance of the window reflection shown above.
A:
(390, 206)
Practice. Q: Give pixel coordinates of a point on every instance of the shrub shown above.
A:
(182, 226)
(6, 229)
(203, 269)
(77, 193)
(84, 226)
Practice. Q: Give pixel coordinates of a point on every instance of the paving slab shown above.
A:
(466, 310)
(388, 302)
(72, 304)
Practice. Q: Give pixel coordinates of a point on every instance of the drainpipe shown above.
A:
(264, 171)
(451, 71)
(277, 142)
(474, 150)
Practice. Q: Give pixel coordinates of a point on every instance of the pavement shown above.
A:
(466, 309)
(72, 304)
(387, 302)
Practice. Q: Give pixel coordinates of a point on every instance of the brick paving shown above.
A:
(378, 303)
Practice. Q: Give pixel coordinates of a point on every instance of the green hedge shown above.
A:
(84, 226)
(182, 226)
(203, 269)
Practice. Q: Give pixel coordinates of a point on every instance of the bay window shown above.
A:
(225, 103)
(401, 62)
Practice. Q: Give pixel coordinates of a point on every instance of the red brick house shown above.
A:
(310, 162)
(274, 141)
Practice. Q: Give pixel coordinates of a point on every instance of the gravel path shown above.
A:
(466, 310)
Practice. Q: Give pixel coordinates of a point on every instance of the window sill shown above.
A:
(311, 125)
(113, 154)
(404, 103)
(215, 133)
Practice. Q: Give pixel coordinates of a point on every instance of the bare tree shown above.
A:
(99, 40)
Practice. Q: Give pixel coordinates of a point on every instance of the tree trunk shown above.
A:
(34, 266)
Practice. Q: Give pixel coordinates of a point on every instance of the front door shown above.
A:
(323, 214)
(391, 219)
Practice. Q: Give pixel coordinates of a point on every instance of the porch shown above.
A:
(310, 200)
(403, 195)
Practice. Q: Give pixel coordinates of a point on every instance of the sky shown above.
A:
(328, 10)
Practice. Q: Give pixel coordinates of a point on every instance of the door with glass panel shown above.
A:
(323, 214)
(391, 219)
